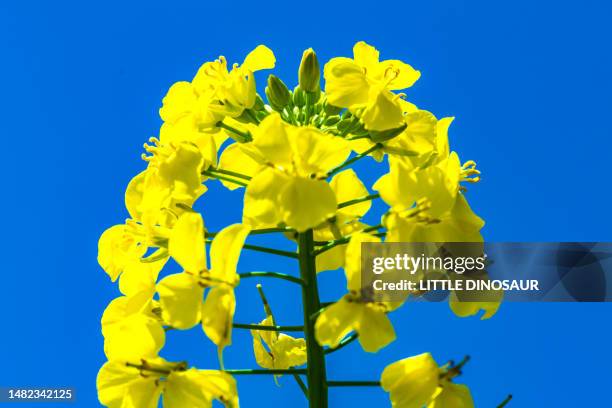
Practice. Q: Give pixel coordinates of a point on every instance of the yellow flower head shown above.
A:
(363, 84)
(354, 312)
(181, 294)
(418, 381)
(275, 350)
(139, 383)
(289, 166)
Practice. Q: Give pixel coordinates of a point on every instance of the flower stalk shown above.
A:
(317, 379)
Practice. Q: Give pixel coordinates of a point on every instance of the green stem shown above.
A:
(343, 343)
(278, 275)
(354, 159)
(303, 387)
(266, 250)
(252, 116)
(221, 177)
(505, 402)
(271, 251)
(228, 173)
(353, 383)
(243, 137)
(358, 200)
(344, 240)
(258, 231)
(267, 328)
(317, 383)
(277, 371)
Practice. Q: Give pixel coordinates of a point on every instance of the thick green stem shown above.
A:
(317, 381)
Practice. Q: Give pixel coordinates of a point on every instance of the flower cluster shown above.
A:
(292, 157)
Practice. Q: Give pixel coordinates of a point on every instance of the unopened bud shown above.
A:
(310, 72)
(277, 92)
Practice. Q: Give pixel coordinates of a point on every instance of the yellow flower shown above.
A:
(289, 166)
(348, 81)
(139, 383)
(364, 84)
(192, 110)
(417, 142)
(116, 249)
(173, 177)
(354, 312)
(405, 184)
(233, 91)
(181, 294)
(418, 381)
(459, 224)
(275, 350)
(154, 199)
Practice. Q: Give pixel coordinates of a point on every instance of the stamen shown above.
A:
(469, 173)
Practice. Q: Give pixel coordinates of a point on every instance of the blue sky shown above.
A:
(81, 85)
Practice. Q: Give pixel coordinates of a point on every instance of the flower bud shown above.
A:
(310, 72)
(277, 92)
(299, 97)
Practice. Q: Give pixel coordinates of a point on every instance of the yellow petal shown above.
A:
(442, 137)
(306, 203)
(180, 297)
(347, 186)
(198, 388)
(116, 248)
(262, 356)
(187, 130)
(271, 139)
(120, 386)
(186, 243)
(352, 265)
(316, 152)
(331, 259)
(383, 111)
(261, 199)
(375, 329)
(419, 135)
(134, 194)
(218, 315)
(133, 337)
(140, 276)
(397, 74)
(336, 321)
(472, 302)
(234, 159)
(183, 389)
(289, 352)
(225, 251)
(453, 396)
(181, 172)
(260, 58)
(345, 83)
(178, 102)
(412, 381)
(268, 337)
(365, 55)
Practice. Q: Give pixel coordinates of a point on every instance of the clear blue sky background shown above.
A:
(82, 82)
